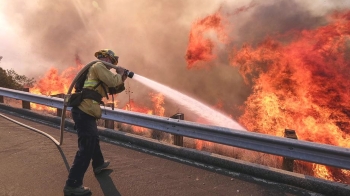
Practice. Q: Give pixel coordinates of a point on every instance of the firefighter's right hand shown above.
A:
(120, 70)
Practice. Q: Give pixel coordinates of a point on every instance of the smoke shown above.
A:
(278, 17)
(150, 37)
(252, 23)
(59, 30)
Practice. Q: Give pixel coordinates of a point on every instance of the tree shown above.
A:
(22, 80)
(10, 79)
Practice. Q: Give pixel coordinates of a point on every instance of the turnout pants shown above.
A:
(89, 147)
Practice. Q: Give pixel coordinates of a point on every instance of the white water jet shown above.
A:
(202, 110)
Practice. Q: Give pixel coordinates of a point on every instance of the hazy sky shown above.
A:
(150, 37)
(36, 35)
(42, 34)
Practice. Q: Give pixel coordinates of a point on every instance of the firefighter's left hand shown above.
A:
(120, 70)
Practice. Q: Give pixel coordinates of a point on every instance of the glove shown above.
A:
(120, 70)
(124, 76)
(115, 90)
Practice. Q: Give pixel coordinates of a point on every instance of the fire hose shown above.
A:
(32, 128)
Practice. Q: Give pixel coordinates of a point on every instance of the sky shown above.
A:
(42, 34)
(149, 36)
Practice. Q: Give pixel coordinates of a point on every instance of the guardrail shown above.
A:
(295, 149)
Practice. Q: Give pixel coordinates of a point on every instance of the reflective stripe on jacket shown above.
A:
(98, 72)
(90, 83)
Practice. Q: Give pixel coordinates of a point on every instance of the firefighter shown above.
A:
(96, 85)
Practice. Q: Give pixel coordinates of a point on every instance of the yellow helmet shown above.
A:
(107, 53)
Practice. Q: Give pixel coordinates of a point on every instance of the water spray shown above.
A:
(211, 115)
(193, 105)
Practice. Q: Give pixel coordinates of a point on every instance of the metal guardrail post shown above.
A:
(109, 123)
(178, 139)
(26, 104)
(288, 163)
(1, 99)
(59, 111)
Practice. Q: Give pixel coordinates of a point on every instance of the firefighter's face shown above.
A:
(106, 59)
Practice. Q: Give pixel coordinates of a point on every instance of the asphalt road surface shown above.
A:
(32, 165)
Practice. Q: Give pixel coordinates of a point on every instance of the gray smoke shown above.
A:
(151, 38)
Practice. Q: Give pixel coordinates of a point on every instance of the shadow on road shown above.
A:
(106, 183)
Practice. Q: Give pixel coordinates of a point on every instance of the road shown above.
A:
(31, 164)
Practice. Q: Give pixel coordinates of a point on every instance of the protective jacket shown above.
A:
(98, 72)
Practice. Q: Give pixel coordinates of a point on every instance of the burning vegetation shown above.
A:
(299, 80)
(297, 75)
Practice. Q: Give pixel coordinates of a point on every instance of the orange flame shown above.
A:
(301, 85)
(158, 109)
(201, 39)
(158, 101)
(200, 47)
(53, 83)
(131, 106)
(292, 87)
(298, 83)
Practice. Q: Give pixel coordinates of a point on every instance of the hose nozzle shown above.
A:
(128, 73)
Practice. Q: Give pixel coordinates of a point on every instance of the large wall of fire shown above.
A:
(270, 66)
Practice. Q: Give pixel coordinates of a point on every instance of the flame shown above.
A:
(42, 108)
(202, 145)
(158, 101)
(292, 88)
(207, 34)
(53, 83)
(201, 44)
(299, 81)
(132, 106)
